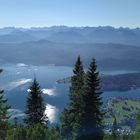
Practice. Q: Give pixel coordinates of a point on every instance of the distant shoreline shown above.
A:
(119, 82)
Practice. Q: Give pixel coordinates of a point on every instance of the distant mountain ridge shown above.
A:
(60, 45)
(64, 34)
(119, 82)
(46, 52)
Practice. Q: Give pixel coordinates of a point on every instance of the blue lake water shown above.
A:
(16, 79)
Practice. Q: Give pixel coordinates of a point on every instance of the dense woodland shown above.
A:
(82, 118)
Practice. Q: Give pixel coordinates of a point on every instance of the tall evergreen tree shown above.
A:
(92, 120)
(3, 115)
(3, 107)
(72, 115)
(35, 106)
(114, 130)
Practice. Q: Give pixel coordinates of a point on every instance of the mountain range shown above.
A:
(66, 34)
(60, 45)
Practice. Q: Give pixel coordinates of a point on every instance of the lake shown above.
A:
(16, 79)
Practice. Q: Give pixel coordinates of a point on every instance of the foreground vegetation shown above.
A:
(82, 119)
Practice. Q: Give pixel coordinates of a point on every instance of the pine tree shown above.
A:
(114, 130)
(3, 115)
(72, 115)
(35, 106)
(3, 107)
(92, 120)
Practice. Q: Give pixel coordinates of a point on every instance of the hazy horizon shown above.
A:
(82, 26)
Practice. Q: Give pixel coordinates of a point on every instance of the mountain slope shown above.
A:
(46, 52)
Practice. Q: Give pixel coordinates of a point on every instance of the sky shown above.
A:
(44, 13)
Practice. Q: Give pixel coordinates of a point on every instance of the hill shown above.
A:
(120, 82)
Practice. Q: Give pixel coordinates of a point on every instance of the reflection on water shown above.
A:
(16, 81)
(52, 113)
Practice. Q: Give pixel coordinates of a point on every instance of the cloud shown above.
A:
(15, 113)
(52, 113)
(50, 92)
(21, 65)
(18, 83)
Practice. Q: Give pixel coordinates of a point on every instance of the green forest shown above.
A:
(82, 119)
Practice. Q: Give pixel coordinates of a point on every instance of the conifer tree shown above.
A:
(35, 106)
(137, 134)
(72, 115)
(114, 130)
(3, 107)
(3, 115)
(92, 120)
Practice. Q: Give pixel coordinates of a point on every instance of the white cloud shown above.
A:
(15, 113)
(21, 65)
(50, 92)
(18, 83)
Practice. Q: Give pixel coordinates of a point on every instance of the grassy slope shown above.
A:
(122, 109)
